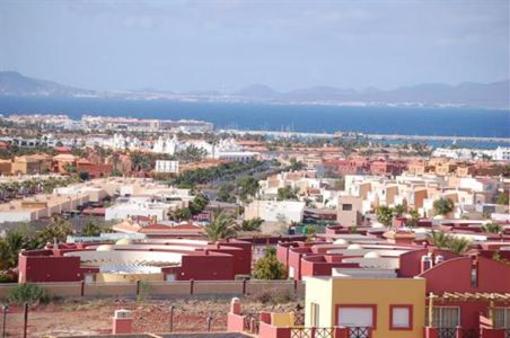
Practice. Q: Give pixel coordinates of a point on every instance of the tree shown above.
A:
(385, 216)
(503, 198)
(458, 245)
(296, 165)
(251, 225)
(412, 222)
(191, 154)
(198, 204)
(399, 210)
(58, 229)
(225, 193)
(443, 206)
(268, 267)
(492, 228)
(442, 240)
(91, 230)
(438, 239)
(309, 231)
(287, 193)
(222, 227)
(181, 214)
(248, 186)
(5, 255)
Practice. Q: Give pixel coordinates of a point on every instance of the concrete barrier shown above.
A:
(168, 289)
(162, 289)
(62, 289)
(218, 287)
(278, 286)
(110, 289)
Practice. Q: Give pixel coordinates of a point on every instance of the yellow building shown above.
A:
(392, 307)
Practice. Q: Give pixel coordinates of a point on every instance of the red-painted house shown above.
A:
(469, 297)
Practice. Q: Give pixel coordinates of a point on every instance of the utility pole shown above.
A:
(5, 308)
(25, 322)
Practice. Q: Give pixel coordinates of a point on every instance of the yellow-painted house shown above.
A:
(392, 307)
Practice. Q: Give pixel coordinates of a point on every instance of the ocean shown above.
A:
(302, 118)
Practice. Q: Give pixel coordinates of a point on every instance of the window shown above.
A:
(401, 317)
(356, 315)
(502, 318)
(346, 207)
(445, 316)
(314, 309)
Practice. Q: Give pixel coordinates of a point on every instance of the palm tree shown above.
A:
(222, 227)
(444, 241)
(438, 239)
(458, 245)
(492, 228)
(251, 225)
(58, 229)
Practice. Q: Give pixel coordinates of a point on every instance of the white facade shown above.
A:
(167, 167)
(276, 211)
(502, 154)
(138, 206)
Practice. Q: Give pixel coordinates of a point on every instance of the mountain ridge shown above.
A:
(469, 94)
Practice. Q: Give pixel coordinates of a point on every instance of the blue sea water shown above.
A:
(304, 118)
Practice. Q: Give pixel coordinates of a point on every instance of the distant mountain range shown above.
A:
(468, 94)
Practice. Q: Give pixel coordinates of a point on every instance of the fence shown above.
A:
(166, 289)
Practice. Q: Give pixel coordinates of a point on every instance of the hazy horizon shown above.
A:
(228, 45)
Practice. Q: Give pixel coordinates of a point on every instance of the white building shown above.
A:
(166, 145)
(167, 167)
(127, 207)
(501, 154)
(275, 211)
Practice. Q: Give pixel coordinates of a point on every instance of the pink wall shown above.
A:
(410, 262)
(454, 275)
(207, 267)
(49, 269)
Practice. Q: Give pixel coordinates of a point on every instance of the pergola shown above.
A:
(447, 297)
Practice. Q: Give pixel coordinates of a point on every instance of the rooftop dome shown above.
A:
(124, 241)
(372, 254)
(341, 241)
(354, 247)
(104, 247)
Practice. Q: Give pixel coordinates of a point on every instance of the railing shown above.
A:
(315, 332)
(251, 322)
(324, 332)
(447, 332)
(301, 332)
(472, 333)
(360, 332)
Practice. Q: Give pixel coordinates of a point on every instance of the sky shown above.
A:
(225, 45)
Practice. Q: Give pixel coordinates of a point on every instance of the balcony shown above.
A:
(458, 332)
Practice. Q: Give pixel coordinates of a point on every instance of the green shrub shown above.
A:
(28, 293)
(7, 278)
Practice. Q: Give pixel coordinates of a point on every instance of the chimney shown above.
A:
(426, 263)
(235, 306)
(438, 259)
(122, 322)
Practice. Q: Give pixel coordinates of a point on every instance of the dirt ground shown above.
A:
(82, 317)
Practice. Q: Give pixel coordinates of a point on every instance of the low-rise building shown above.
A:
(275, 211)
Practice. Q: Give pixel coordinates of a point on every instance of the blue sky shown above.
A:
(225, 45)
